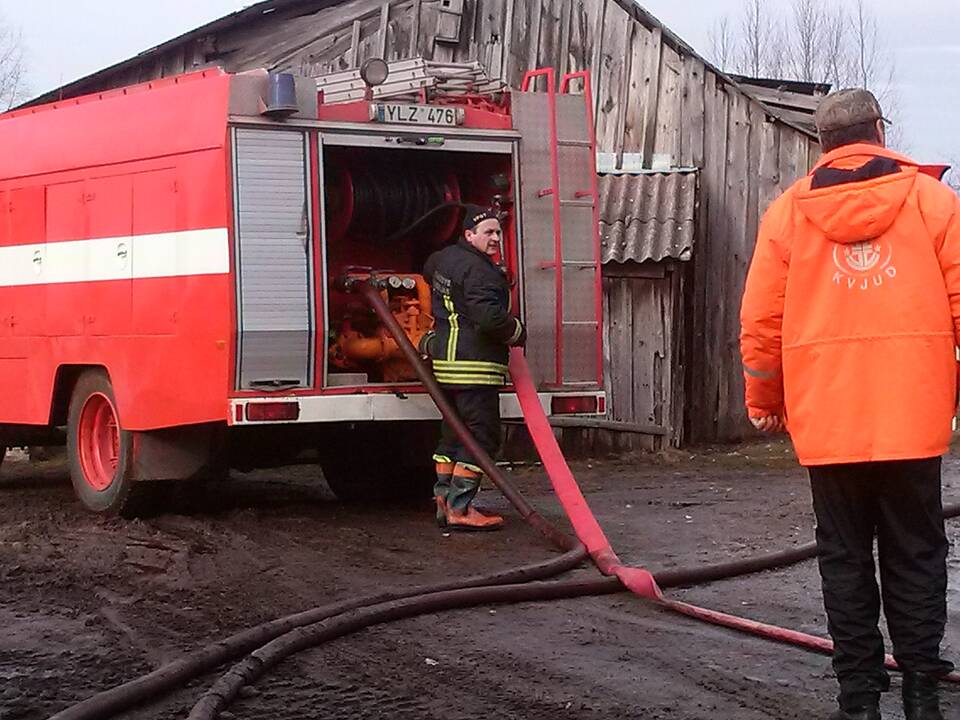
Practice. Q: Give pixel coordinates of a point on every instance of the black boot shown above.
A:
(921, 701)
(864, 712)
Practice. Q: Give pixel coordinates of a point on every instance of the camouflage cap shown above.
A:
(847, 107)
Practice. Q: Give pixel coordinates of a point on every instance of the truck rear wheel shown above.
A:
(99, 451)
(368, 482)
(374, 462)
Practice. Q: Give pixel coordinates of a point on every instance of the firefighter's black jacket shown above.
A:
(474, 326)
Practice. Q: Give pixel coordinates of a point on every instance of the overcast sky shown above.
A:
(66, 40)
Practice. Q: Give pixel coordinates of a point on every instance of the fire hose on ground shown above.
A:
(268, 644)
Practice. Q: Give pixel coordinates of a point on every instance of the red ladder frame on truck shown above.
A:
(584, 198)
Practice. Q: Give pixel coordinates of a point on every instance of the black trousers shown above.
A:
(900, 504)
(479, 408)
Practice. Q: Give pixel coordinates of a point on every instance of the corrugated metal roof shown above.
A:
(649, 216)
(793, 101)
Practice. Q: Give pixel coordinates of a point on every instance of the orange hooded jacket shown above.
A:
(851, 314)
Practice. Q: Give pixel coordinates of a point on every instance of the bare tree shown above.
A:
(755, 35)
(723, 44)
(12, 66)
(777, 63)
(873, 68)
(807, 23)
(836, 62)
(839, 42)
(866, 35)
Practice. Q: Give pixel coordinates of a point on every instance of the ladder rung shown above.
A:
(577, 203)
(579, 263)
(574, 143)
(592, 323)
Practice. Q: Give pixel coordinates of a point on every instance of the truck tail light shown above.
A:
(273, 411)
(588, 404)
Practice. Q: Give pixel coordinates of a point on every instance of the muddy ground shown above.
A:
(87, 602)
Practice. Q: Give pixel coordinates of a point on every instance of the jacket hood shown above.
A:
(857, 211)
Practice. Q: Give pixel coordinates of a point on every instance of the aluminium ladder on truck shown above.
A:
(561, 262)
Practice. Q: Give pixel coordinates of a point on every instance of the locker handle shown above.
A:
(276, 384)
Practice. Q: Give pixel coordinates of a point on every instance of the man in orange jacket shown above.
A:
(850, 324)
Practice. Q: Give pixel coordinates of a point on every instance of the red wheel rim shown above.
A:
(98, 441)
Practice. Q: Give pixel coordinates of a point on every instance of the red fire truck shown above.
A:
(172, 258)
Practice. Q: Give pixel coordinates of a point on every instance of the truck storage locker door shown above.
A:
(108, 203)
(530, 116)
(274, 260)
(154, 229)
(28, 302)
(65, 260)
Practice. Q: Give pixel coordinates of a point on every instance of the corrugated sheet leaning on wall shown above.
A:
(648, 217)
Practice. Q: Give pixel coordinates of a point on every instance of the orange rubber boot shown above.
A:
(444, 474)
(472, 519)
(441, 504)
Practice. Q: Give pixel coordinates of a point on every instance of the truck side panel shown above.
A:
(114, 250)
(130, 271)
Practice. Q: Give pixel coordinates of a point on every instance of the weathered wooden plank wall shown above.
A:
(642, 357)
(654, 96)
(643, 307)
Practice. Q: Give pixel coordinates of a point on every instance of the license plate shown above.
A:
(402, 114)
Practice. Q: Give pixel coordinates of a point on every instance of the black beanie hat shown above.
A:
(476, 214)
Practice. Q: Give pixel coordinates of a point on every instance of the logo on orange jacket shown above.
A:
(863, 265)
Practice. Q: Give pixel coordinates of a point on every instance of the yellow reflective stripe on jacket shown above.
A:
(471, 365)
(453, 319)
(463, 379)
(470, 368)
(516, 333)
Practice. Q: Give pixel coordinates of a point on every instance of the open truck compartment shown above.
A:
(386, 210)
(314, 210)
(359, 193)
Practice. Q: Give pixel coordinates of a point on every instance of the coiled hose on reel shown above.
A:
(383, 205)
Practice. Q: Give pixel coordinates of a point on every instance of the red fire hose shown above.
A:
(277, 639)
(637, 580)
(588, 530)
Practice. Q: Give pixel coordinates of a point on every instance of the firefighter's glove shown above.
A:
(423, 347)
(519, 338)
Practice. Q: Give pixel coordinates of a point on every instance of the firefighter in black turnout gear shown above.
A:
(470, 351)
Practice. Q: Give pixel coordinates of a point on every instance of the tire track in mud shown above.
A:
(582, 676)
(423, 669)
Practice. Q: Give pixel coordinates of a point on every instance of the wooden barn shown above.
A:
(689, 158)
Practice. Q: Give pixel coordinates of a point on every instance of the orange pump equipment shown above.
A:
(363, 344)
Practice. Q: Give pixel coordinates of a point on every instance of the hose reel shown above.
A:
(385, 204)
